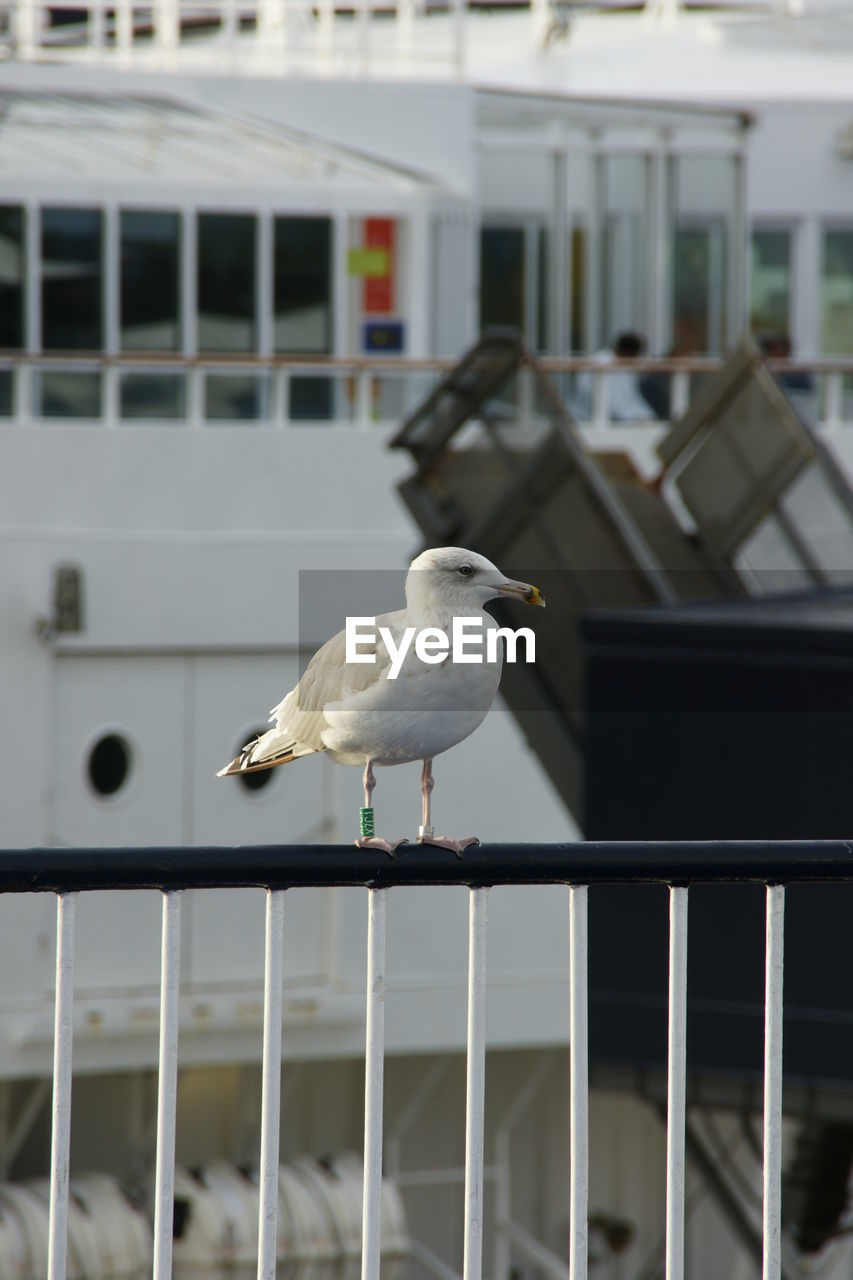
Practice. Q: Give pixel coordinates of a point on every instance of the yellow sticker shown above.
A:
(373, 263)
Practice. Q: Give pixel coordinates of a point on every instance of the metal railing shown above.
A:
(279, 391)
(264, 34)
(68, 872)
(154, 32)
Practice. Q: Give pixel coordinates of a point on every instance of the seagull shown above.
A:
(398, 693)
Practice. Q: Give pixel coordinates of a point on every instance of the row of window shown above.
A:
(153, 308)
(154, 311)
(514, 276)
(514, 285)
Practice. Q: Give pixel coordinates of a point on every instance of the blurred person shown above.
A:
(777, 346)
(798, 384)
(626, 403)
(656, 388)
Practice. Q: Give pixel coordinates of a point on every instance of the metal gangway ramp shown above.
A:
(501, 466)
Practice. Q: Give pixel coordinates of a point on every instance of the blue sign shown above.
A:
(384, 337)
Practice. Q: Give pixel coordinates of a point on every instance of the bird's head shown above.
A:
(451, 577)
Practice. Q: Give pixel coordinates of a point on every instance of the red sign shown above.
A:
(378, 295)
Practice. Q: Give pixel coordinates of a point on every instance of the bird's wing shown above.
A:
(330, 678)
(299, 718)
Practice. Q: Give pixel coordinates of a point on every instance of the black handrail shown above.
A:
(62, 870)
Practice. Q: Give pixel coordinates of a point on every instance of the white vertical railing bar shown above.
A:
(167, 1095)
(504, 1225)
(271, 1085)
(374, 1070)
(676, 1109)
(578, 1083)
(60, 1141)
(363, 36)
(773, 977)
(833, 414)
(475, 1094)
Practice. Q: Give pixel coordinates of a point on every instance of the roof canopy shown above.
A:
(62, 135)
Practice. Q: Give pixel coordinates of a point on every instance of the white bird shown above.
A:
(361, 713)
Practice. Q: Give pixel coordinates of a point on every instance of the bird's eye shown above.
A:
(466, 570)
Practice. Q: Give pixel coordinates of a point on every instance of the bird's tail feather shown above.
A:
(241, 765)
(251, 760)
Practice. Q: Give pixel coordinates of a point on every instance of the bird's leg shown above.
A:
(427, 784)
(367, 840)
(426, 834)
(369, 781)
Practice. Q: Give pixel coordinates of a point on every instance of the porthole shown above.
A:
(109, 764)
(260, 778)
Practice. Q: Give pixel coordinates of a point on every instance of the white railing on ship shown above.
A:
(156, 32)
(66, 872)
(285, 391)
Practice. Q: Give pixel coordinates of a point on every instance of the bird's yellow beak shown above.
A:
(523, 591)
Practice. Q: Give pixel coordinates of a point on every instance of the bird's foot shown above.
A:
(377, 842)
(426, 835)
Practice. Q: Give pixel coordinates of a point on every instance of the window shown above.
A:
(699, 288)
(226, 286)
(543, 239)
(149, 303)
(108, 766)
(502, 277)
(148, 395)
(770, 281)
(704, 195)
(71, 279)
(302, 275)
(625, 246)
(67, 393)
(836, 293)
(11, 276)
(577, 301)
(514, 279)
(236, 397)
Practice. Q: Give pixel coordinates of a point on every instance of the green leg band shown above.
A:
(365, 817)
